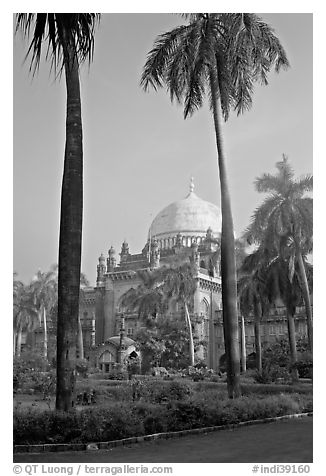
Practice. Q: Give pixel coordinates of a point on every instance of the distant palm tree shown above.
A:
(24, 313)
(284, 221)
(286, 287)
(221, 54)
(158, 289)
(43, 288)
(253, 295)
(179, 284)
(69, 39)
(147, 298)
(80, 340)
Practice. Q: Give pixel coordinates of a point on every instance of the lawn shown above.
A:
(251, 444)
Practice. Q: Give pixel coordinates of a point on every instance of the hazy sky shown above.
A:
(139, 152)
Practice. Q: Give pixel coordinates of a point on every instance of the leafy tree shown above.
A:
(164, 343)
(176, 337)
(69, 40)
(283, 223)
(222, 55)
(151, 345)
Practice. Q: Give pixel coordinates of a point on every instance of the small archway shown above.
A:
(106, 360)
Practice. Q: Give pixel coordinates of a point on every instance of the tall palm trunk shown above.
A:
(243, 346)
(80, 342)
(228, 266)
(70, 236)
(14, 343)
(19, 342)
(258, 316)
(293, 344)
(191, 339)
(45, 338)
(306, 297)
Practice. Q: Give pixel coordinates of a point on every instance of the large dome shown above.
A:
(190, 217)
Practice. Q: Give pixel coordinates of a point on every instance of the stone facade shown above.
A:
(186, 230)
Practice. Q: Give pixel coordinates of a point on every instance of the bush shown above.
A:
(199, 372)
(277, 362)
(160, 391)
(82, 368)
(94, 424)
(305, 365)
(127, 419)
(133, 366)
(275, 389)
(271, 374)
(103, 391)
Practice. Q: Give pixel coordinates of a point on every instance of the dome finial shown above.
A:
(192, 185)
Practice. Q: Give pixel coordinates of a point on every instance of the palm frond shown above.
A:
(159, 58)
(57, 30)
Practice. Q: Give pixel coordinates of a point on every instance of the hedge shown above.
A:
(127, 419)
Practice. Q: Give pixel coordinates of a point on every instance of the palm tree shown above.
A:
(147, 298)
(69, 42)
(286, 286)
(158, 289)
(179, 283)
(285, 219)
(221, 54)
(253, 294)
(80, 341)
(44, 291)
(24, 313)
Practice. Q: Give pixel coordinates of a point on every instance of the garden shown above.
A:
(110, 407)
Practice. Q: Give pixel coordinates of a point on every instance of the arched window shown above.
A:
(120, 307)
(204, 307)
(202, 264)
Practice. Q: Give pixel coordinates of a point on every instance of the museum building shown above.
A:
(186, 230)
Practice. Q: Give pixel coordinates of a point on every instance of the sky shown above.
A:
(139, 152)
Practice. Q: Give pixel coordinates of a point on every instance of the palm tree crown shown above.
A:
(285, 213)
(53, 29)
(230, 51)
(282, 226)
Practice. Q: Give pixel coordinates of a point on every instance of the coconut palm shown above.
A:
(69, 40)
(221, 55)
(43, 288)
(284, 221)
